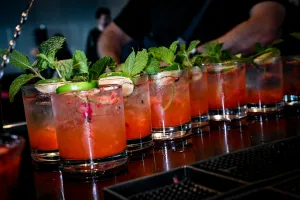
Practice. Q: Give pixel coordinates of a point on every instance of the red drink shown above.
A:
(265, 86)
(40, 125)
(170, 104)
(227, 91)
(11, 147)
(90, 129)
(291, 80)
(198, 96)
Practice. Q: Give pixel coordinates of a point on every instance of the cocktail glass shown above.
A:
(11, 147)
(90, 130)
(170, 105)
(291, 80)
(40, 125)
(138, 115)
(198, 96)
(265, 86)
(227, 92)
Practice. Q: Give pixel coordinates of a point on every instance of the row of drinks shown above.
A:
(89, 126)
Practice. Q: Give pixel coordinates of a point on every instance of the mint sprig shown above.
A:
(99, 67)
(80, 63)
(49, 48)
(296, 35)
(17, 84)
(183, 56)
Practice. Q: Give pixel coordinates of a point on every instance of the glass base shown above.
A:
(229, 125)
(291, 100)
(171, 133)
(139, 144)
(200, 121)
(45, 157)
(228, 114)
(94, 168)
(264, 108)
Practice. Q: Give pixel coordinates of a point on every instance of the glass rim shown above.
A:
(220, 64)
(291, 56)
(16, 144)
(159, 74)
(108, 87)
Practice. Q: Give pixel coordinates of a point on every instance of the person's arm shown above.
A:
(111, 42)
(263, 26)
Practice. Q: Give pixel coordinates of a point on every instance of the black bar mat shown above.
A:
(257, 163)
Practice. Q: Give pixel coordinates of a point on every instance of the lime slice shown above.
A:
(48, 87)
(266, 58)
(126, 83)
(221, 69)
(78, 86)
(196, 73)
(167, 77)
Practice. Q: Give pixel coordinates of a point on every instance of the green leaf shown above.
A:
(81, 78)
(166, 55)
(50, 48)
(129, 63)
(296, 35)
(154, 52)
(65, 67)
(140, 62)
(99, 67)
(80, 63)
(173, 46)
(52, 80)
(17, 59)
(258, 47)
(153, 66)
(277, 42)
(172, 67)
(192, 46)
(182, 47)
(17, 84)
(109, 74)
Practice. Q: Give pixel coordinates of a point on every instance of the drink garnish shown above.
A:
(69, 70)
(78, 86)
(133, 66)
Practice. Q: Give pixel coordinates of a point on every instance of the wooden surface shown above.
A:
(38, 184)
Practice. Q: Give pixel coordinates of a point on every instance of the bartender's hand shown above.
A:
(263, 26)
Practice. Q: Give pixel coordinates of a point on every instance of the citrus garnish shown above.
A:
(126, 83)
(79, 86)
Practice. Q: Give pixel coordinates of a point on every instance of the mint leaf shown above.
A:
(65, 67)
(109, 74)
(173, 46)
(80, 63)
(50, 48)
(295, 35)
(99, 67)
(277, 42)
(172, 67)
(258, 47)
(154, 52)
(129, 63)
(140, 62)
(17, 84)
(166, 55)
(17, 59)
(192, 46)
(80, 78)
(153, 66)
(52, 80)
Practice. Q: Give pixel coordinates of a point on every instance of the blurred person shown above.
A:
(103, 17)
(237, 24)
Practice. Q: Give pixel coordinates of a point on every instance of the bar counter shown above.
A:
(51, 184)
